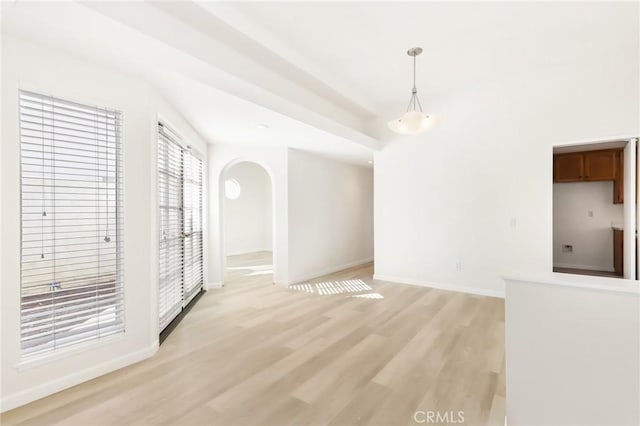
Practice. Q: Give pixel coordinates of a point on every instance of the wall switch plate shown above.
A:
(459, 265)
(590, 213)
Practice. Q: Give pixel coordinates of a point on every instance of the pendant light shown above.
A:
(413, 121)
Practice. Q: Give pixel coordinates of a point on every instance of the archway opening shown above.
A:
(247, 225)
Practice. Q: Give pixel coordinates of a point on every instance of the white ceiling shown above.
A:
(325, 75)
(362, 45)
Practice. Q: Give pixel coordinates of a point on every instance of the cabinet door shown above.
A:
(568, 167)
(618, 250)
(618, 184)
(600, 165)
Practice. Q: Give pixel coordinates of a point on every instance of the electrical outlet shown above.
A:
(459, 265)
(590, 213)
(513, 222)
(567, 248)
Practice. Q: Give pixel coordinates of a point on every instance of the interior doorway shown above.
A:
(247, 224)
(594, 209)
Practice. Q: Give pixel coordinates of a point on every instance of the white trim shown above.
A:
(214, 285)
(624, 138)
(584, 282)
(26, 396)
(329, 270)
(440, 286)
(587, 267)
(629, 206)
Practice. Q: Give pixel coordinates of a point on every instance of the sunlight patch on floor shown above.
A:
(252, 270)
(338, 287)
(368, 296)
(253, 267)
(265, 272)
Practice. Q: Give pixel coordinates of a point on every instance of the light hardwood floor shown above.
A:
(339, 350)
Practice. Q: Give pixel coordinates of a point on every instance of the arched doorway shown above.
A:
(247, 224)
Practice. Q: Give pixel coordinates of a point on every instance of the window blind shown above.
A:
(72, 221)
(181, 239)
(193, 273)
(171, 226)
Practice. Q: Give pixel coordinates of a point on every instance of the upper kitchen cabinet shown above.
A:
(568, 167)
(591, 166)
(600, 165)
(587, 166)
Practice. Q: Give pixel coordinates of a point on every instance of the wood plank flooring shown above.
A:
(339, 350)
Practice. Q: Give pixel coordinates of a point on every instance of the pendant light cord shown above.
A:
(414, 75)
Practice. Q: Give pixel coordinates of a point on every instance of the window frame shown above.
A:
(75, 343)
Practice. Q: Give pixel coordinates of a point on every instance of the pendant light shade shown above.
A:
(411, 123)
(414, 121)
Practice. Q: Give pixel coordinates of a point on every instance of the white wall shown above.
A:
(330, 215)
(572, 348)
(223, 157)
(591, 236)
(248, 219)
(45, 70)
(472, 198)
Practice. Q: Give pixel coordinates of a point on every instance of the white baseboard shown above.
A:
(329, 270)
(213, 285)
(587, 267)
(9, 402)
(450, 287)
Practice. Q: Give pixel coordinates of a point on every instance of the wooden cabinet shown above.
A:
(618, 251)
(600, 165)
(592, 166)
(568, 167)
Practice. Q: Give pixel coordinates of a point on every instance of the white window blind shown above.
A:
(171, 227)
(193, 273)
(72, 221)
(180, 204)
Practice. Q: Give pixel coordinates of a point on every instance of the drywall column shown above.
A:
(572, 350)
